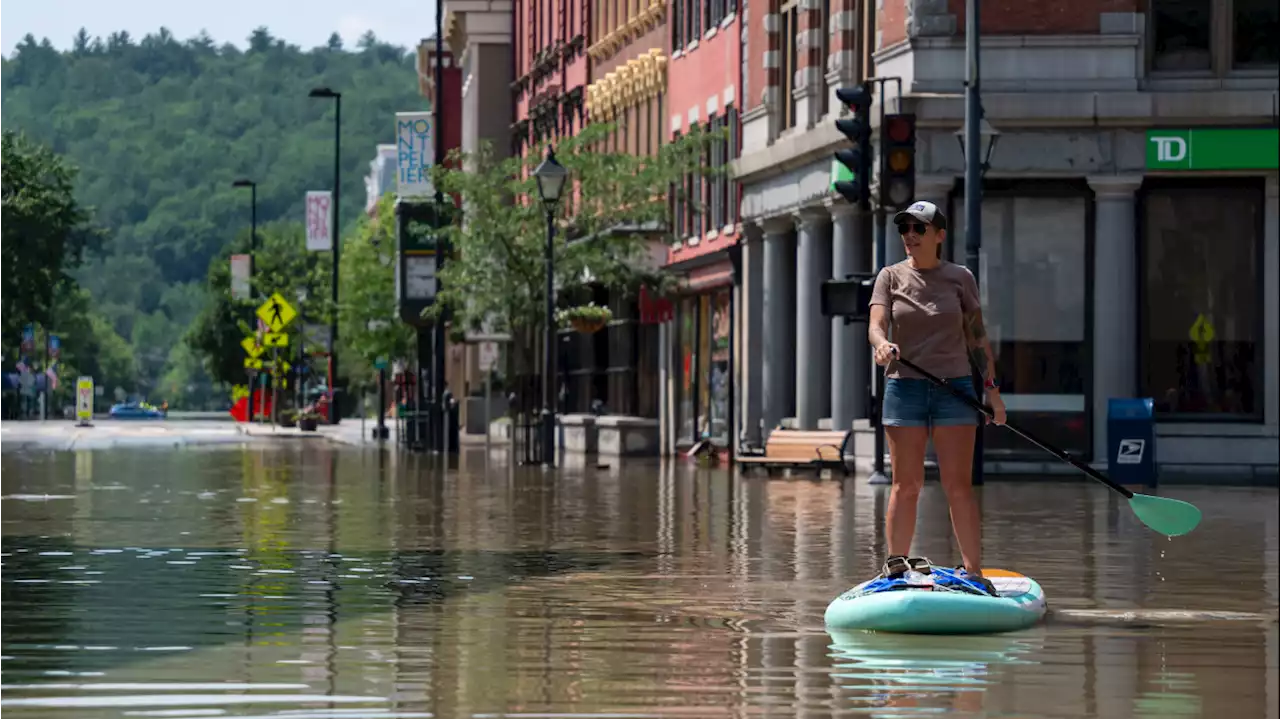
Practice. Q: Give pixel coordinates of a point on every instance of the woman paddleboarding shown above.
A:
(936, 318)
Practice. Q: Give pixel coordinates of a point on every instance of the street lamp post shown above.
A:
(253, 249)
(976, 146)
(324, 92)
(551, 176)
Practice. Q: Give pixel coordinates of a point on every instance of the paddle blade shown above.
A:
(1170, 517)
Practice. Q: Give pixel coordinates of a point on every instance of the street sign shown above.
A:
(29, 338)
(241, 272)
(488, 356)
(251, 347)
(319, 217)
(55, 347)
(84, 400)
(238, 391)
(251, 363)
(415, 154)
(275, 339)
(276, 312)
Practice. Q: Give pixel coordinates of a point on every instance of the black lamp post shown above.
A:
(551, 176)
(325, 92)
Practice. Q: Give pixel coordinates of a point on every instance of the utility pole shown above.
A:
(973, 176)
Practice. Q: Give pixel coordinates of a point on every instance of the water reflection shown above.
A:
(300, 581)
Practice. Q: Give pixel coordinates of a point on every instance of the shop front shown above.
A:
(703, 356)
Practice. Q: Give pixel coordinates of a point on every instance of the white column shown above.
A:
(850, 366)
(779, 332)
(813, 331)
(1115, 298)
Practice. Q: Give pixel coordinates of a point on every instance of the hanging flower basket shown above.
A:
(585, 318)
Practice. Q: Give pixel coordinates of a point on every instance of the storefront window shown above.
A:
(1202, 299)
(688, 323)
(1034, 283)
(718, 378)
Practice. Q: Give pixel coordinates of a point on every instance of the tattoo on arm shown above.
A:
(979, 347)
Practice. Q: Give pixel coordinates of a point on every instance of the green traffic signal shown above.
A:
(857, 129)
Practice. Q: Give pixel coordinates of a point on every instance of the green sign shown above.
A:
(1213, 149)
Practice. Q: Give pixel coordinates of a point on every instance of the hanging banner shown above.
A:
(319, 217)
(415, 154)
(241, 271)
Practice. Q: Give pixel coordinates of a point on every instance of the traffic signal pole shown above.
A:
(878, 475)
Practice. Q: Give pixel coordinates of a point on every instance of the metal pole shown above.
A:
(439, 377)
(878, 476)
(253, 256)
(333, 233)
(382, 404)
(548, 369)
(973, 175)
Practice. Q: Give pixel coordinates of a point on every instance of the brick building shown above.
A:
(1130, 213)
(703, 90)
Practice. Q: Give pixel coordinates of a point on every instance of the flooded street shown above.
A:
(297, 580)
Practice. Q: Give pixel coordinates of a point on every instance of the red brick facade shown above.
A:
(549, 43)
(704, 89)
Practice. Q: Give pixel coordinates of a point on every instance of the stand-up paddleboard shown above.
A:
(924, 607)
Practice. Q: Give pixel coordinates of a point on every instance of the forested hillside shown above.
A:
(160, 127)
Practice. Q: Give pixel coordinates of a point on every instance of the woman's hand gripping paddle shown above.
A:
(1170, 517)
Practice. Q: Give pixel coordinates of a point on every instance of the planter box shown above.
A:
(621, 436)
(307, 424)
(580, 433)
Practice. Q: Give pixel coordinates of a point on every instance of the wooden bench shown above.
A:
(793, 448)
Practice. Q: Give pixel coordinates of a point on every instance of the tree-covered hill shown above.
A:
(159, 128)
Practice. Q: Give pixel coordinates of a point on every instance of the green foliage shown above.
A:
(281, 264)
(160, 128)
(590, 312)
(45, 232)
(367, 321)
(615, 206)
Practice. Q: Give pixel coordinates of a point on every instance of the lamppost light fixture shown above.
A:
(551, 176)
(243, 183)
(323, 92)
(988, 135)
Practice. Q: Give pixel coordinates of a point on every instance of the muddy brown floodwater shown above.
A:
(299, 581)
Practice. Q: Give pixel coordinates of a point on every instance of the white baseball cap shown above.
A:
(926, 212)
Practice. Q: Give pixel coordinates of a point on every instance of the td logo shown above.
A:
(1170, 148)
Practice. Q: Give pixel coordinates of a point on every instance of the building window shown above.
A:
(678, 201)
(686, 419)
(717, 377)
(790, 62)
(1201, 291)
(1034, 285)
(715, 161)
(824, 53)
(1213, 36)
(677, 25)
(735, 151)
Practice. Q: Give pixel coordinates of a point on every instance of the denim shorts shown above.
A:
(910, 402)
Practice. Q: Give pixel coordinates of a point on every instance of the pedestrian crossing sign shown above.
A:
(250, 363)
(275, 339)
(276, 312)
(251, 347)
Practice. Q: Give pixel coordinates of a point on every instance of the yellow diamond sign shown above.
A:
(276, 312)
(251, 347)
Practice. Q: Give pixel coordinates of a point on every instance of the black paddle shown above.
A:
(1170, 517)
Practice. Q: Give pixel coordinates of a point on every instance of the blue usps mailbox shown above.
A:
(1131, 441)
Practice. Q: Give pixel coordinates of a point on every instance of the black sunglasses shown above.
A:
(917, 227)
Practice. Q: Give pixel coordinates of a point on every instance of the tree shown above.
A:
(45, 233)
(496, 273)
(159, 129)
(282, 264)
(369, 327)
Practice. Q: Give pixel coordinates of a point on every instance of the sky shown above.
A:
(306, 24)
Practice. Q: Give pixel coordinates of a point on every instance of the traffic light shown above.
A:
(898, 143)
(857, 190)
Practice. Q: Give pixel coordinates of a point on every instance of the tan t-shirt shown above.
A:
(926, 317)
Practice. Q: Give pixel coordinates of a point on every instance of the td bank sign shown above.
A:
(1243, 149)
